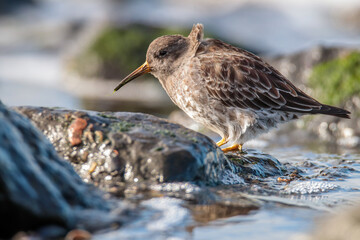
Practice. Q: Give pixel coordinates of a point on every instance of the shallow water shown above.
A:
(269, 223)
(328, 183)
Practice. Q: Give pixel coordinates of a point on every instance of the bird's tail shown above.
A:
(333, 111)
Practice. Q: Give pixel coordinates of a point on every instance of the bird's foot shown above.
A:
(234, 147)
(221, 142)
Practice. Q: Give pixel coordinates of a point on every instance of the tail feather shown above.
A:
(333, 111)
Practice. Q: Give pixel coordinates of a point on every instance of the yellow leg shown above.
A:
(233, 148)
(221, 142)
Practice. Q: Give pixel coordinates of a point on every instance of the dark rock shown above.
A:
(37, 187)
(128, 147)
(254, 164)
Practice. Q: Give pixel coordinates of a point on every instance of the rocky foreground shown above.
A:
(130, 156)
(38, 187)
(111, 149)
(128, 147)
(118, 152)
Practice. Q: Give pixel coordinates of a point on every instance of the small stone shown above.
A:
(84, 156)
(78, 234)
(73, 154)
(286, 180)
(92, 167)
(67, 117)
(88, 135)
(99, 136)
(115, 152)
(75, 131)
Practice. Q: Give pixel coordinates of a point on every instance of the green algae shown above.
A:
(126, 48)
(122, 126)
(165, 133)
(118, 51)
(194, 140)
(337, 80)
(106, 116)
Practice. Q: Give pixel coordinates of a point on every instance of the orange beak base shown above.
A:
(145, 68)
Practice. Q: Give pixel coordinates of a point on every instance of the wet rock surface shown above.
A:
(113, 149)
(38, 187)
(109, 149)
(255, 164)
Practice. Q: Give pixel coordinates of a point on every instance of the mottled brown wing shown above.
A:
(243, 80)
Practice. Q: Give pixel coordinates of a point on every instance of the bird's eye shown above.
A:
(162, 53)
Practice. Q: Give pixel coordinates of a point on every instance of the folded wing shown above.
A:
(243, 80)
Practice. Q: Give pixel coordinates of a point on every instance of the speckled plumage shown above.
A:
(229, 90)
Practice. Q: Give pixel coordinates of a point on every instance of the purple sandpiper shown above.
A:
(229, 90)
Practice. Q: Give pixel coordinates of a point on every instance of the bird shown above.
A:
(229, 90)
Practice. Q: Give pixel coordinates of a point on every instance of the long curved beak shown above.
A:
(145, 68)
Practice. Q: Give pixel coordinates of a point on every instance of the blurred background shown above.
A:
(72, 53)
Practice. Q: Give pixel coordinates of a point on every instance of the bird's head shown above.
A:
(165, 55)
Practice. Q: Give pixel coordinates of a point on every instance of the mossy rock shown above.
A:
(118, 51)
(337, 80)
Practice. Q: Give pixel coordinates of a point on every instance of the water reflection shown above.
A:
(203, 214)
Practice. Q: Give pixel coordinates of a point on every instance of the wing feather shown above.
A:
(249, 83)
